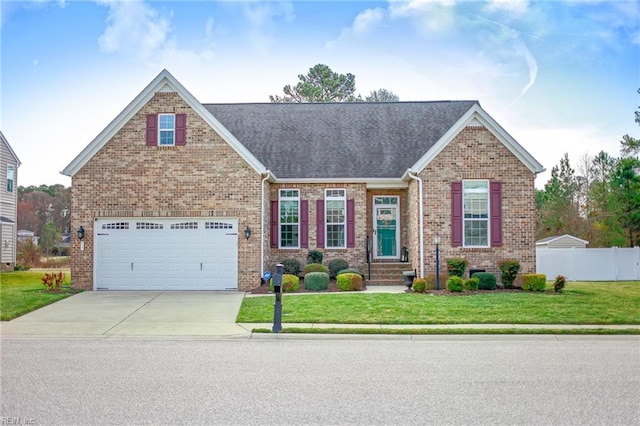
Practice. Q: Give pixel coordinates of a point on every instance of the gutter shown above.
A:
(421, 216)
(262, 213)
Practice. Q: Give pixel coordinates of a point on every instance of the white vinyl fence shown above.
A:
(590, 264)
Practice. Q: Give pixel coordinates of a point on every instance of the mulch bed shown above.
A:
(264, 289)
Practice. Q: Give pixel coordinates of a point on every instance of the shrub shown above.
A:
(349, 282)
(316, 281)
(534, 282)
(419, 285)
(53, 281)
(509, 268)
(471, 284)
(314, 256)
(455, 283)
(315, 267)
(20, 267)
(290, 283)
(456, 266)
(291, 266)
(348, 271)
(486, 280)
(337, 265)
(431, 281)
(559, 283)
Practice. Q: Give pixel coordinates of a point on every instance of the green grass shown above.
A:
(579, 303)
(436, 331)
(23, 292)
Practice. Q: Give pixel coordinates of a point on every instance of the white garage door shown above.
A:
(166, 254)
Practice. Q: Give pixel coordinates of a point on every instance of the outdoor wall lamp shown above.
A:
(80, 233)
(436, 241)
(247, 232)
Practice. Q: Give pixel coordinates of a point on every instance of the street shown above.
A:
(308, 380)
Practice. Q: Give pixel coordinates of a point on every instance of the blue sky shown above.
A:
(559, 76)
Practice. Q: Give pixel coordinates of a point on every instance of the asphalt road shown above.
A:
(446, 380)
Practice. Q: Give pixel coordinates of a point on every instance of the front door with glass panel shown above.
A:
(385, 227)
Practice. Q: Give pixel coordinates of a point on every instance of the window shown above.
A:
(336, 218)
(166, 129)
(289, 223)
(10, 177)
(475, 199)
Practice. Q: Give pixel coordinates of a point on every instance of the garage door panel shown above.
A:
(166, 254)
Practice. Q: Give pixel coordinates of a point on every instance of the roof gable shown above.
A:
(476, 116)
(5, 142)
(164, 82)
(549, 240)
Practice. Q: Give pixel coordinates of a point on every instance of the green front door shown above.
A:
(386, 231)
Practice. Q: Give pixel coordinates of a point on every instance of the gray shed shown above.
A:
(561, 241)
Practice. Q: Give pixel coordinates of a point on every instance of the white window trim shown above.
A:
(11, 170)
(488, 219)
(160, 130)
(342, 198)
(280, 199)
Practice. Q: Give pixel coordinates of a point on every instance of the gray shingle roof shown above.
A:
(339, 140)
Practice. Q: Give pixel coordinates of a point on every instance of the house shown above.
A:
(9, 164)
(26, 235)
(561, 241)
(176, 194)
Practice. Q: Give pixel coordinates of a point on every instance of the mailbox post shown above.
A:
(277, 307)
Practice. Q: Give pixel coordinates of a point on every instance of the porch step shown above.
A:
(387, 273)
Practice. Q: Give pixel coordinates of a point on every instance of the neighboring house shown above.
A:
(24, 236)
(176, 194)
(561, 241)
(9, 164)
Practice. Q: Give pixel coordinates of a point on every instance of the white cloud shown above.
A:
(517, 7)
(134, 28)
(367, 19)
(264, 18)
(429, 15)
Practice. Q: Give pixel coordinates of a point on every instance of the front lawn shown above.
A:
(23, 292)
(579, 303)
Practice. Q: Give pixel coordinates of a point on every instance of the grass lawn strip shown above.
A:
(579, 303)
(23, 292)
(438, 331)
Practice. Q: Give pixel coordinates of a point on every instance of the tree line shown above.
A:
(598, 201)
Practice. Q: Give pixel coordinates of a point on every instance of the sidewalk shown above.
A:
(252, 326)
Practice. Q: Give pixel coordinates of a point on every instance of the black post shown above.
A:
(437, 267)
(277, 307)
(369, 256)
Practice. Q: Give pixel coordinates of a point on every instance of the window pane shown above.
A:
(289, 236)
(476, 184)
(335, 236)
(167, 121)
(166, 137)
(335, 211)
(288, 211)
(475, 233)
(476, 205)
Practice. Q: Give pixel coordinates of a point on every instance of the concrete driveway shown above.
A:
(134, 313)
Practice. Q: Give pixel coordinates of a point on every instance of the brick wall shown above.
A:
(205, 178)
(476, 154)
(312, 192)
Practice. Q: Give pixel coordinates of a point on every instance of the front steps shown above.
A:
(386, 273)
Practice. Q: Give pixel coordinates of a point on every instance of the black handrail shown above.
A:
(369, 256)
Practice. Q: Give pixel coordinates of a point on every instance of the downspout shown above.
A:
(420, 212)
(262, 225)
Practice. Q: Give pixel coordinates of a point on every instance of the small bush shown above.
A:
(348, 271)
(337, 265)
(20, 267)
(431, 281)
(471, 284)
(316, 281)
(290, 283)
(419, 285)
(349, 282)
(455, 283)
(314, 256)
(456, 266)
(509, 268)
(559, 283)
(291, 266)
(534, 282)
(53, 282)
(315, 267)
(486, 280)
